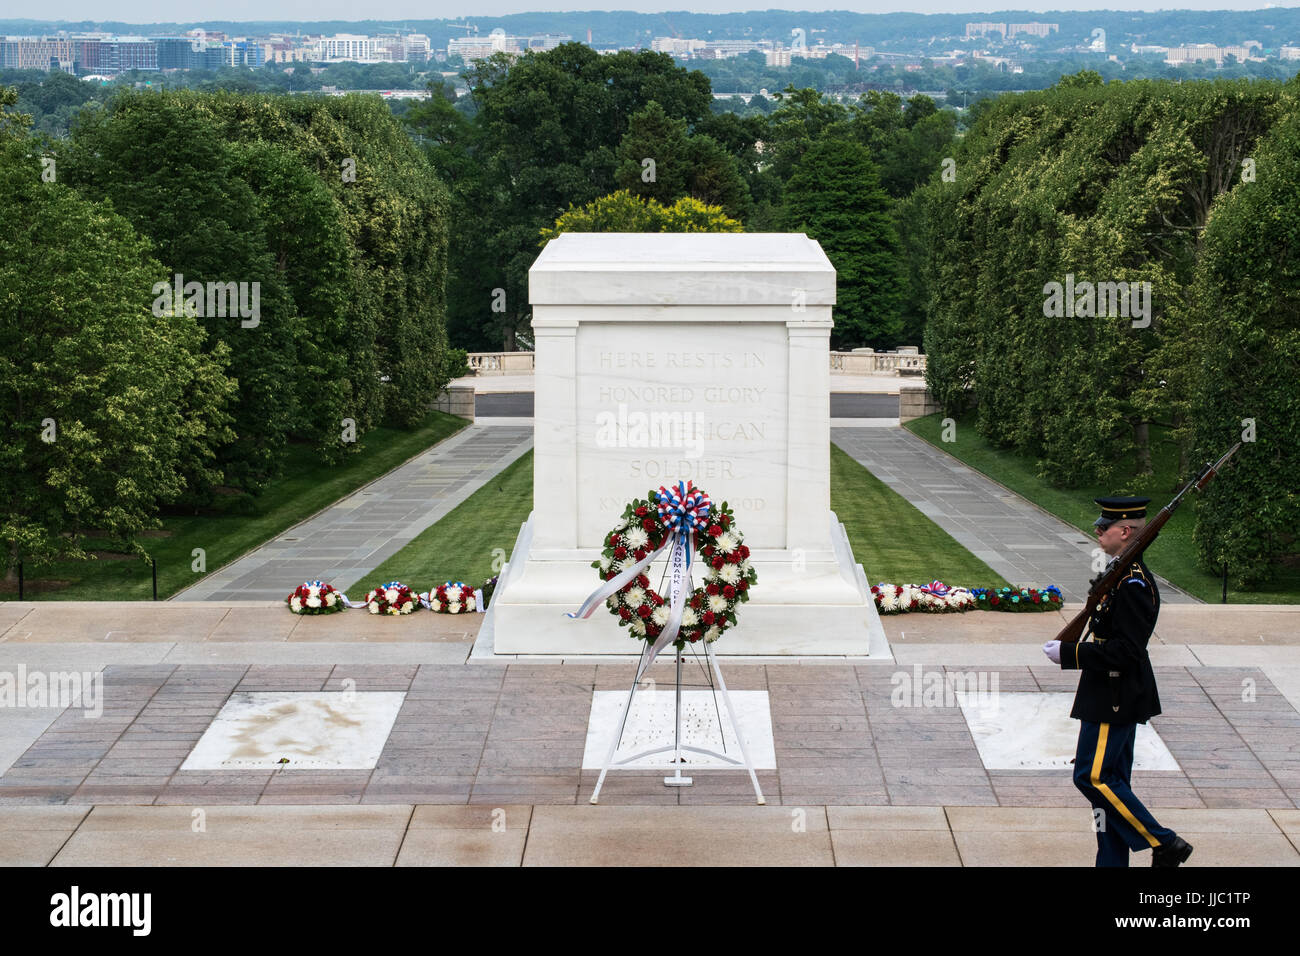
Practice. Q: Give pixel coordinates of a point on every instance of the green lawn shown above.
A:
(891, 539)
(1172, 555)
(305, 488)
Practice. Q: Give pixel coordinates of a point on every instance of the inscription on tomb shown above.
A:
(709, 414)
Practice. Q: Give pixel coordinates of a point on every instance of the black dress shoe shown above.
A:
(1172, 853)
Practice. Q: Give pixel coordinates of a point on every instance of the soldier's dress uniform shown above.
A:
(1117, 691)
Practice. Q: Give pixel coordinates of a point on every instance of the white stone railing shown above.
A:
(858, 362)
(501, 363)
(866, 362)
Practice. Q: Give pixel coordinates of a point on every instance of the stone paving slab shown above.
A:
(33, 835)
(665, 836)
(11, 612)
(542, 835)
(264, 621)
(1264, 626)
(232, 836)
(1010, 534)
(894, 848)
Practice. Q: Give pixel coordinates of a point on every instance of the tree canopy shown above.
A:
(107, 408)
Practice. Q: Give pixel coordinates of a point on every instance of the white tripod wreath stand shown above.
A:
(677, 780)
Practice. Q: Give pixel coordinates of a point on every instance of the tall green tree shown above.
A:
(1246, 315)
(165, 166)
(1090, 184)
(907, 141)
(658, 159)
(653, 159)
(395, 216)
(106, 409)
(549, 125)
(834, 195)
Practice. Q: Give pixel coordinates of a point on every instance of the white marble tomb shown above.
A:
(699, 356)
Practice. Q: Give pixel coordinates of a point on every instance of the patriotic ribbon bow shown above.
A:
(684, 507)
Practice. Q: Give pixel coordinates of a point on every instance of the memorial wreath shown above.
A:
(451, 598)
(682, 521)
(315, 597)
(392, 598)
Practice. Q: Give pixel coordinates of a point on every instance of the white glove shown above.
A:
(1053, 651)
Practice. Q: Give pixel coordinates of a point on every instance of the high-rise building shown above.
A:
(351, 47)
(1208, 51)
(178, 53)
(415, 48)
(1033, 29)
(131, 53)
(676, 46)
(111, 55)
(548, 41)
(31, 53)
(240, 52)
(480, 48)
(724, 49)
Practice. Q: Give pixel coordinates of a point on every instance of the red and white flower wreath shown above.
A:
(709, 609)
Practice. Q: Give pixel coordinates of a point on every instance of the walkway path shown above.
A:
(355, 535)
(1010, 534)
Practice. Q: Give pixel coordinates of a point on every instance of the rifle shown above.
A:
(1105, 582)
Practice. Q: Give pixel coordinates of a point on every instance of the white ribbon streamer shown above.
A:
(679, 576)
(617, 582)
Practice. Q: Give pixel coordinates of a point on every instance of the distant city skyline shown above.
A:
(184, 11)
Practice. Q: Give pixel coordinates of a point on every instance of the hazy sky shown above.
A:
(158, 11)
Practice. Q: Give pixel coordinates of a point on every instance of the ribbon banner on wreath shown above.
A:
(682, 521)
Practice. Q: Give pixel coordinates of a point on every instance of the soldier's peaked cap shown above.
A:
(1117, 509)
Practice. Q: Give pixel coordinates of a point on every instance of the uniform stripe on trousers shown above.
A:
(1102, 733)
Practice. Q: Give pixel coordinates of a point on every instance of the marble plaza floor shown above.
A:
(482, 762)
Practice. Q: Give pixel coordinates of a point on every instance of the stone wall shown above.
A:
(456, 400)
(915, 401)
